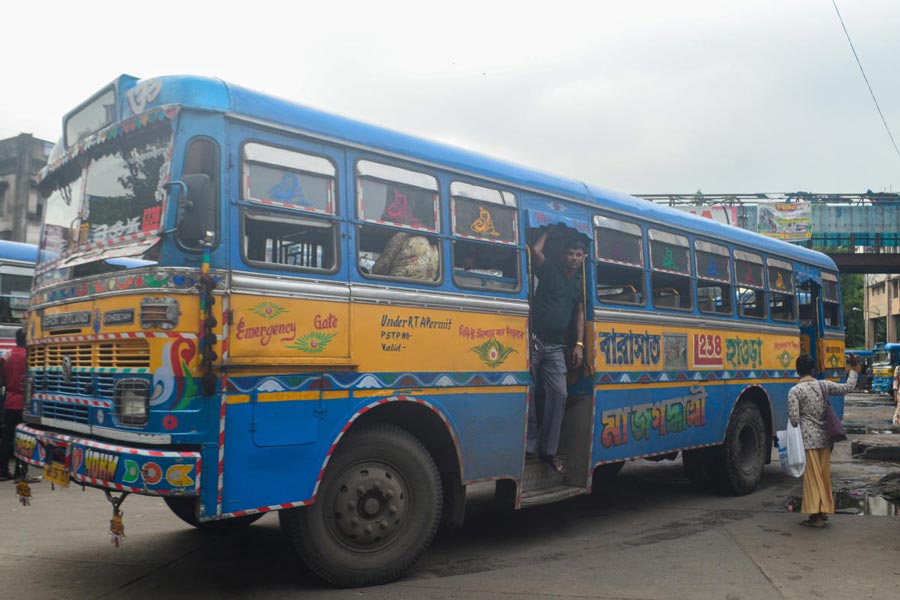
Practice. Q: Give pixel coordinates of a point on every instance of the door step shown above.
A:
(549, 495)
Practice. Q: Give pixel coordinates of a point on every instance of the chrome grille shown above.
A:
(65, 411)
(94, 366)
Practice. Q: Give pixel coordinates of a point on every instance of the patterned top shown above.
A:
(409, 256)
(806, 406)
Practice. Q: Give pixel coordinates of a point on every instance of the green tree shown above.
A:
(854, 319)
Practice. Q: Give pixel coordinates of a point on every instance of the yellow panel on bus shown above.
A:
(394, 338)
(300, 330)
(624, 347)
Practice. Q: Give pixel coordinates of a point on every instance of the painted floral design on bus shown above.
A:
(267, 310)
(313, 342)
(493, 353)
(173, 383)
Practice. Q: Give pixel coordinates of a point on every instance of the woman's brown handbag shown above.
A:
(834, 429)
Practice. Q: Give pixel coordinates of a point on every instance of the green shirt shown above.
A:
(554, 301)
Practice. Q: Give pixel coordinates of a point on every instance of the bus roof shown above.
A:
(205, 93)
(17, 251)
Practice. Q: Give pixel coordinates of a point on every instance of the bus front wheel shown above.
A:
(377, 509)
(743, 453)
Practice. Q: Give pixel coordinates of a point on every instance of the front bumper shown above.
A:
(108, 466)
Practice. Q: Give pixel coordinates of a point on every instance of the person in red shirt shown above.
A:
(12, 373)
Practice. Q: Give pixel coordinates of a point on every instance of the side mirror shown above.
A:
(196, 211)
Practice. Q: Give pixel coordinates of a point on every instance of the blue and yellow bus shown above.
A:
(886, 357)
(16, 272)
(331, 320)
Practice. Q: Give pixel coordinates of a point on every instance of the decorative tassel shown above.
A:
(23, 491)
(117, 528)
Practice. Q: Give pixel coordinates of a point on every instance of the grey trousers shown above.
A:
(548, 363)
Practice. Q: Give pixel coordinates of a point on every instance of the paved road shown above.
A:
(649, 537)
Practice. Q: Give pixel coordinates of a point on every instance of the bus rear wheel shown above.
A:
(185, 508)
(377, 510)
(742, 456)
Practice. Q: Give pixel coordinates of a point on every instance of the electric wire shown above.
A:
(866, 79)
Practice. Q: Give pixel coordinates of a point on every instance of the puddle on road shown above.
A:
(862, 502)
(859, 430)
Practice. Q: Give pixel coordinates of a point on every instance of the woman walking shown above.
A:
(807, 405)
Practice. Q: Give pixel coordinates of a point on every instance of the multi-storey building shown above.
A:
(21, 205)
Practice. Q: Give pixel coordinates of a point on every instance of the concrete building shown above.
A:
(881, 308)
(21, 205)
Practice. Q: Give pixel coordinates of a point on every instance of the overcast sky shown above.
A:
(642, 96)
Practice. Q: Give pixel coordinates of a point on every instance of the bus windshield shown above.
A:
(113, 199)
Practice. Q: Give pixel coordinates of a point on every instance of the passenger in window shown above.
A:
(407, 255)
(559, 294)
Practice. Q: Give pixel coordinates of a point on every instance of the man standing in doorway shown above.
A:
(12, 372)
(560, 291)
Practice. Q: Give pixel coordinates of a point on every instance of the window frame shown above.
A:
(828, 276)
(709, 247)
(288, 217)
(607, 223)
(378, 171)
(298, 167)
(380, 174)
(781, 267)
(745, 256)
(482, 195)
(676, 240)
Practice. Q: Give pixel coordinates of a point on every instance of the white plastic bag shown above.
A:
(791, 451)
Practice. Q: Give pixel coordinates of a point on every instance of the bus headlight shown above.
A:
(132, 402)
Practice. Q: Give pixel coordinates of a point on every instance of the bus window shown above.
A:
(670, 260)
(397, 196)
(751, 289)
(281, 238)
(713, 278)
(405, 206)
(288, 179)
(485, 223)
(781, 290)
(620, 261)
(831, 300)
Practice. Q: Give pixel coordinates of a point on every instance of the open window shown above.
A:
(831, 300)
(485, 232)
(400, 214)
(714, 294)
(670, 263)
(289, 240)
(751, 285)
(781, 291)
(620, 261)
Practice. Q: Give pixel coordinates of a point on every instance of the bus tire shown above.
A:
(743, 453)
(377, 509)
(185, 508)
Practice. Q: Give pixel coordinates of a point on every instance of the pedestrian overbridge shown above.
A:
(861, 232)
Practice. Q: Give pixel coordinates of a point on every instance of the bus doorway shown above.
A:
(810, 330)
(557, 258)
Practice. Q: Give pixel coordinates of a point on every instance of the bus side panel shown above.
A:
(256, 477)
(642, 420)
(661, 389)
(490, 427)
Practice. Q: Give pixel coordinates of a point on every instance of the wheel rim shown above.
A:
(369, 506)
(749, 448)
